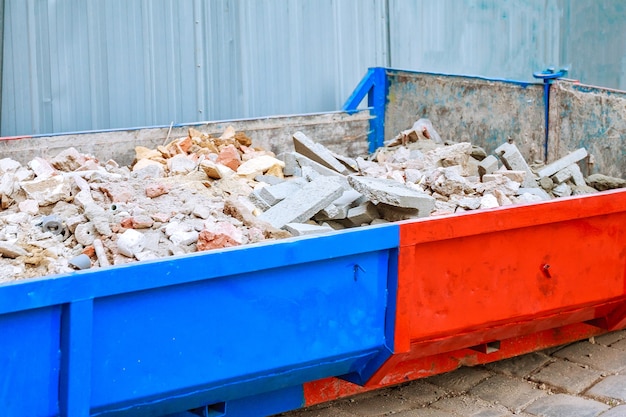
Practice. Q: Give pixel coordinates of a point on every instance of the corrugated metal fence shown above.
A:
(93, 64)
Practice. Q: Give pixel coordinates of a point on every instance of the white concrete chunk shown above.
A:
(130, 242)
(259, 165)
(9, 165)
(302, 229)
(303, 161)
(539, 192)
(571, 171)
(303, 204)
(512, 158)
(487, 165)
(363, 214)
(392, 193)
(564, 162)
(292, 168)
(489, 201)
(562, 190)
(47, 191)
(317, 152)
(276, 193)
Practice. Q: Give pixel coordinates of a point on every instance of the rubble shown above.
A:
(201, 193)
(303, 204)
(603, 182)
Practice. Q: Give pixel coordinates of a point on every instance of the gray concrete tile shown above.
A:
(597, 356)
(521, 366)
(426, 412)
(315, 411)
(563, 405)
(468, 406)
(461, 379)
(609, 338)
(619, 411)
(567, 376)
(376, 405)
(621, 345)
(613, 386)
(419, 393)
(514, 394)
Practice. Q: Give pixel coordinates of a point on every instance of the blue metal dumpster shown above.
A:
(164, 336)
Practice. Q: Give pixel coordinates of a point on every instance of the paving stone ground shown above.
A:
(582, 379)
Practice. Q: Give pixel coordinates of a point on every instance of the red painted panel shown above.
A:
(402, 367)
(473, 271)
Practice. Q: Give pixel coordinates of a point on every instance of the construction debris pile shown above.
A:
(199, 193)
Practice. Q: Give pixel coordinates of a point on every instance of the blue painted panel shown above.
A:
(266, 326)
(79, 285)
(30, 362)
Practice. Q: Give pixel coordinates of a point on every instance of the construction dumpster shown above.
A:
(269, 327)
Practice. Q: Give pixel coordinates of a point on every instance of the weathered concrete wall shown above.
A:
(340, 132)
(589, 117)
(484, 112)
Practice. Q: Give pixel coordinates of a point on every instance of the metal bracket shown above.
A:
(374, 86)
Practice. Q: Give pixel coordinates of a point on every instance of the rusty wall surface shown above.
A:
(484, 112)
(593, 118)
(342, 133)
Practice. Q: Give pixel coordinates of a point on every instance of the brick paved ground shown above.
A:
(583, 379)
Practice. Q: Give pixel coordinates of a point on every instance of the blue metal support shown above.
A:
(374, 85)
(548, 75)
(75, 376)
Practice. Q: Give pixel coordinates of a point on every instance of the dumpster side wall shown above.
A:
(343, 133)
(589, 117)
(484, 112)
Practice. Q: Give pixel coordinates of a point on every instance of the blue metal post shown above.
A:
(374, 85)
(75, 377)
(547, 76)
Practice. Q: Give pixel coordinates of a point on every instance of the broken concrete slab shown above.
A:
(339, 208)
(513, 175)
(389, 191)
(317, 152)
(488, 165)
(363, 214)
(303, 162)
(239, 211)
(305, 229)
(562, 190)
(257, 199)
(269, 179)
(274, 194)
(512, 158)
(379, 190)
(292, 168)
(302, 205)
(559, 164)
(536, 191)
